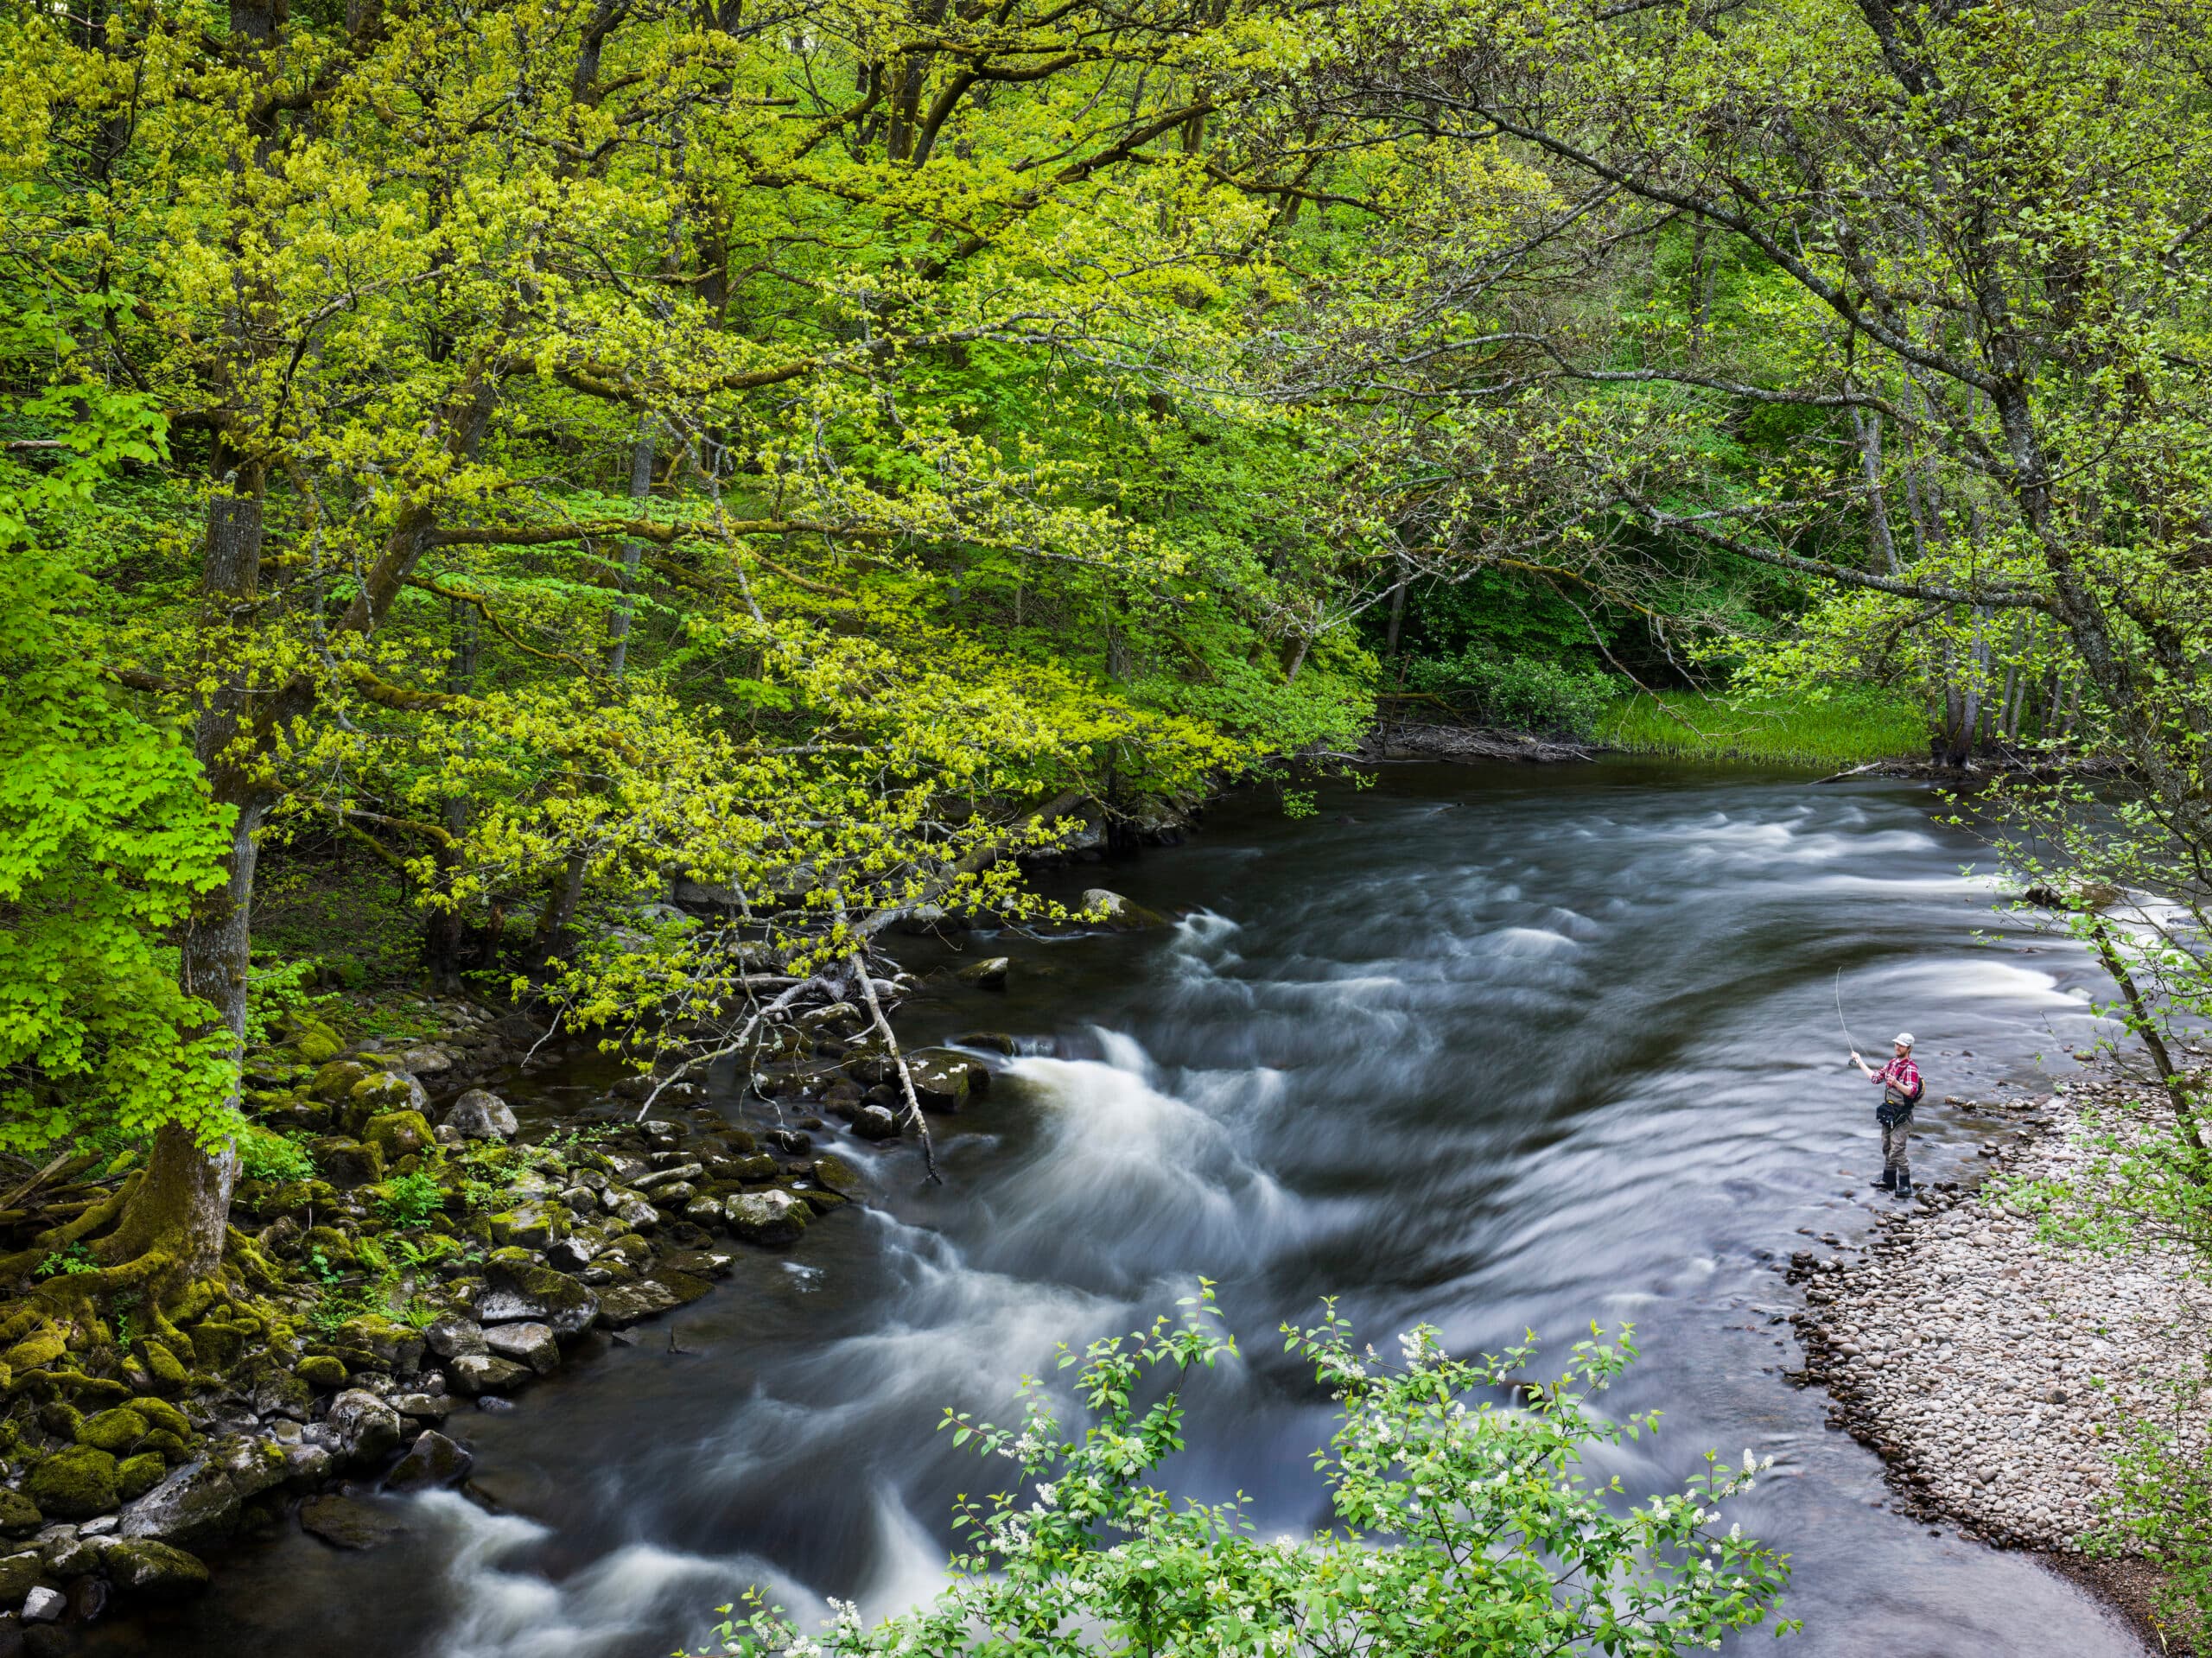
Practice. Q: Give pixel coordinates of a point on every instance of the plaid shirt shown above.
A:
(1901, 1075)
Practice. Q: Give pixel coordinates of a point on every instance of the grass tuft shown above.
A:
(1844, 728)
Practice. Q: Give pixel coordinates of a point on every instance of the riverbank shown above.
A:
(1990, 1370)
(422, 1231)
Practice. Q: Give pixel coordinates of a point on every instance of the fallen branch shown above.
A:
(905, 1076)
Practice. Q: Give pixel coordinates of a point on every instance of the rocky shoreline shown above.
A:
(428, 1253)
(1988, 1370)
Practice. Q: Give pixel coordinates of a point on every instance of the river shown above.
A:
(1494, 1049)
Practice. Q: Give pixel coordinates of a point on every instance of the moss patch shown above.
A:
(74, 1484)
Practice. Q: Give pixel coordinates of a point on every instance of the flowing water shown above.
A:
(1493, 1049)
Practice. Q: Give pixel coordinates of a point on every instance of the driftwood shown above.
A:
(1405, 740)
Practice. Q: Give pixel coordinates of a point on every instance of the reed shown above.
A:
(1842, 729)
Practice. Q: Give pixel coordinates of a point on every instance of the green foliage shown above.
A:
(1464, 1524)
(107, 834)
(266, 1156)
(1839, 728)
(1517, 693)
(60, 1264)
(411, 1199)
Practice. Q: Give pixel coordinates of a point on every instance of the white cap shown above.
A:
(1903, 1038)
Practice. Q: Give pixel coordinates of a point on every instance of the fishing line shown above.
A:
(1839, 1010)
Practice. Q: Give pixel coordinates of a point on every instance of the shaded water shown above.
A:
(1492, 1049)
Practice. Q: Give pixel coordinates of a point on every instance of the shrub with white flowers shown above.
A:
(1465, 1524)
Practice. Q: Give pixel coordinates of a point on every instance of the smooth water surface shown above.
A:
(1494, 1049)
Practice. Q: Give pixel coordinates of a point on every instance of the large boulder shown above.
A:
(474, 1374)
(621, 1306)
(397, 1134)
(527, 1342)
(432, 1460)
(384, 1092)
(518, 1287)
(75, 1483)
(197, 1504)
(153, 1571)
(767, 1216)
(451, 1335)
(426, 1059)
(533, 1225)
(481, 1114)
(347, 1164)
(335, 1080)
(114, 1430)
(362, 1427)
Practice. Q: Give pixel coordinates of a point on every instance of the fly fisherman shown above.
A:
(1901, 1087)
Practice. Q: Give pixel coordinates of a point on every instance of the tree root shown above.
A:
(24, 1262)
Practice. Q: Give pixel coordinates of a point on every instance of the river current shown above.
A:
(1494, 1049)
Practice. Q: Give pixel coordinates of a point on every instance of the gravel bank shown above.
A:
(1987, 1368)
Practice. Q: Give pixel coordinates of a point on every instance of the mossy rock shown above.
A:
(168, 1371)
(335, 1081)
(172, 1447)
(74, 1484)
(136, 1476)
(379, 1344)
(396, 1134)
(216, 1346)
(39, 1348)
(19, 1575)
(321, 1370)
(319, 1046)
(60, 1418)
(113, 1431)
(99, 1391)
(345, 1163)
(163, 1417)
(19, 1515)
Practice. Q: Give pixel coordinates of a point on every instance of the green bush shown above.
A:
(266, 1156)
(1517, 693)
(1464, 1523)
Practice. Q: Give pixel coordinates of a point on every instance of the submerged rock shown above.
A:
(343, 1523)
(945, 1080)
(153, 1571)
(874, 1123)
(987, 974)
(1119, 913)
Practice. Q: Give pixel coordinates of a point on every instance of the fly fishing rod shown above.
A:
(1840, 1023)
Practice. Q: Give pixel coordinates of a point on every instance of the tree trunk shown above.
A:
(182, 1206)
(641, 484)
